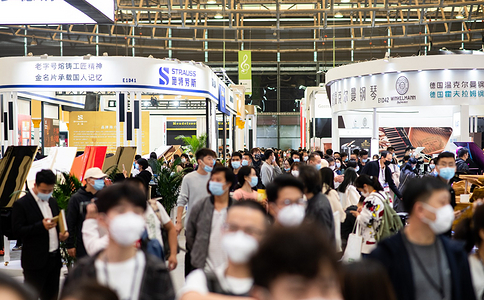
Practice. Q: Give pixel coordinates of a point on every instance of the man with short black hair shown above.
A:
(296, 263)
(462, 167)
(422, 263)
(144, 173)
(316, 161)
(269, 169)
(295, 156)
(445, 167)
(32, 221)
(381, 170)
(243, 230)
(286, 202)
(329, 152)
(130, 272)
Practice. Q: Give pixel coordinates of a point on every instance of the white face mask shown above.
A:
(365, 194)
(239, 246)
(295, 173)
(332, 167)
(126, 229)
(444, 217)
(291, 215)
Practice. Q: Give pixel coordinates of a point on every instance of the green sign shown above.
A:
(245, 71)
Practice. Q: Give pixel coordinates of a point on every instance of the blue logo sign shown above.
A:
(177, 77)
(164, 73)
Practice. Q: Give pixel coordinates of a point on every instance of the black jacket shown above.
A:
(373, 169)
(319, 211)
(146, 177)
(393, 254)
(27, 225)
(156, 283)
(461, 166)
(76, 213)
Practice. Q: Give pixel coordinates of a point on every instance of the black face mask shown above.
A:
(387, 163)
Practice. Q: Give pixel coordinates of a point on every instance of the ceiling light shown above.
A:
(218, 16)
(211, 2)
(345, 1)
(33, 42)
(459, 16)
(338, 15)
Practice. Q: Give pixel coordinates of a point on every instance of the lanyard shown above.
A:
(438, 287)
(134, 274)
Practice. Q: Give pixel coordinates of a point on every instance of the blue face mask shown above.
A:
(98, 184)
(413, 168)
(245, 163)
(235, 164)
(365, 160)
(287, 169)
(136, 166)
(447, 173)
(44, 197)
(206, 168)
(318, 166)
(296, 160)
(216, 188)
(254, 181)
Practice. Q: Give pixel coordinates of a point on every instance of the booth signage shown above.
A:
(245, 71)
(418, 88)
(108, 74)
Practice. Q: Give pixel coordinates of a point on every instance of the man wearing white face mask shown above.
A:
(204, 228)
(421, 262)
(131, 273)
(243, 230)
(286, 203)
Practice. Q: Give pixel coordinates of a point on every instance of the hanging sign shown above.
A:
(245, 71)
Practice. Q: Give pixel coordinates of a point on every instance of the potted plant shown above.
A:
(193, 143)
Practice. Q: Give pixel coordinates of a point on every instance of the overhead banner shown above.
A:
(245, 71)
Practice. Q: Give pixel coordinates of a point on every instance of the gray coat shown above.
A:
(198, 231)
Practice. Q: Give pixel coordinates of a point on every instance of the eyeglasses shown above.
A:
(252, 231)
(288, 202)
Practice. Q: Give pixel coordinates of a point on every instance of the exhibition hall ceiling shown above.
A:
(286, 31)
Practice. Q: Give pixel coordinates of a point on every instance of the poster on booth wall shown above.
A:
(98, 128)
(24, 130)
(433, 139)
(348, 145)
(51, 133)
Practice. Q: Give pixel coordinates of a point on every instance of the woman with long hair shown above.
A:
(371, 215)
(327, 182)
(347, 191)
(247, 179)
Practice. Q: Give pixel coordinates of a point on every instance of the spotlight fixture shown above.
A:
(33, 42)
(218, 16)
(338, 15)
(211, 2)
(459, 15)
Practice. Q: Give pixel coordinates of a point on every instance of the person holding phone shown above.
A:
(32, 220)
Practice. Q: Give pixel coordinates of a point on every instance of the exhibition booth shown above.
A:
(423, 101)
(127, 83)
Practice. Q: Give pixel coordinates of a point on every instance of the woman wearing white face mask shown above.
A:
(248, 179)
(243, 230)
(371, 215)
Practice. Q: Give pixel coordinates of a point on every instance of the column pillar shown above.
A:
(37, 124)
(335, 132)
(374, 136)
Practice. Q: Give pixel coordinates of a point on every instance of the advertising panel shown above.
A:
(98, 128)
(245, 71)
(24, 130)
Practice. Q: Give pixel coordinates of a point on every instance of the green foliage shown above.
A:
(65, 186)
(194, 143)
(112, 171)
(169, 182)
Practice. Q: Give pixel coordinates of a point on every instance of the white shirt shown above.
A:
(153, 224)
(196, 282)
(47, 214)
(216, 254)
(381, 176)
(477, 272)
(94, 241)
(122, 277)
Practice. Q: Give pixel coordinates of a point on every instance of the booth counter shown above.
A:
(433, 94)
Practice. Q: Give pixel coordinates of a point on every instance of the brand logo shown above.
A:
(402, 85)
(164, 75)
(80, 117)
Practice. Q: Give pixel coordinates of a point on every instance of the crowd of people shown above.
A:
(267, 224)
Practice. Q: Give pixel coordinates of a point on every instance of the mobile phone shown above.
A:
(463, 210)
(124, 169)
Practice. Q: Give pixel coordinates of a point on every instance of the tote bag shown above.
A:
(353, 247)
